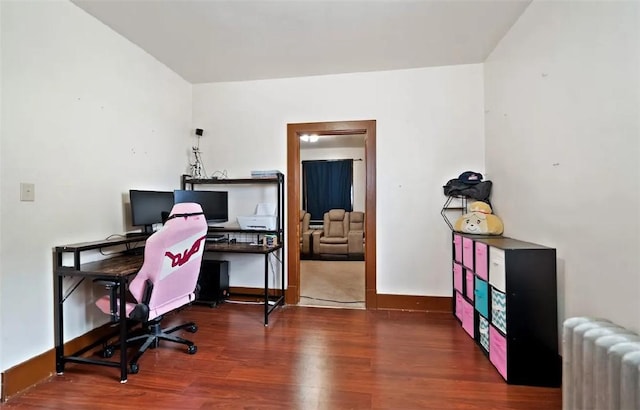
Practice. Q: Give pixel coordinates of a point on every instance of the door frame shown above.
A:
(367, 128)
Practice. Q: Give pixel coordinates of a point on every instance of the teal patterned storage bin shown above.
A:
(499, 310)
(483, 329)
(482, 297)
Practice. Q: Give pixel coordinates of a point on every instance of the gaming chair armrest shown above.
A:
(112, 287)
(141, 310)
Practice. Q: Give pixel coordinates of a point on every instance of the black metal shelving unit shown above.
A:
(271, 302)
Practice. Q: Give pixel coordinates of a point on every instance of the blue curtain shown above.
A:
(327, 185)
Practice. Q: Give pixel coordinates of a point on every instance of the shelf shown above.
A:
(186, 179)
(240, 247)
(213, 231)
(278, 180)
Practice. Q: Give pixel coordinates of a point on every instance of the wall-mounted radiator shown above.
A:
(600, 366)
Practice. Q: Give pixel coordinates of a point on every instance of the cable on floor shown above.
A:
(330, 300)
(247, 302)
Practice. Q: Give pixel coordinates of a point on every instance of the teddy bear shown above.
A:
(479, 220)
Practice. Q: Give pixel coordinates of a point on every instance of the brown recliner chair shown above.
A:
(356, 233)
(333, 238)
(305, 232)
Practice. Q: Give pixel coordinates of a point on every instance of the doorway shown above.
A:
(367, 129)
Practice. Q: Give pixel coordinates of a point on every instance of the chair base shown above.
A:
(151, 335)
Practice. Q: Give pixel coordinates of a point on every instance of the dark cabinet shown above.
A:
(510, 306)
(213, 282)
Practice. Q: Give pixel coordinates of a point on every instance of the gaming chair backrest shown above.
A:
(172, 260)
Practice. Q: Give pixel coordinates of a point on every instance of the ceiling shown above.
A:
(216, 40)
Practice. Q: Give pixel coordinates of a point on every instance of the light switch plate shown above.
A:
(27, 192)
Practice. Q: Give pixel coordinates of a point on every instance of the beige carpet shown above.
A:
(332, 284)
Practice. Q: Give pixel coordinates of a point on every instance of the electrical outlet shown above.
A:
(27, 192)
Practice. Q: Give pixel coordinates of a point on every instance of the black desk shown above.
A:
(277, 300)
(118, 269)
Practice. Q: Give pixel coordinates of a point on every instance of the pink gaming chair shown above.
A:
(166, 281)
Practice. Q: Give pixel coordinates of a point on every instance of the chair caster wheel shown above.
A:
(192, 349)
(134, 368)
(107, 352)
(192, 329)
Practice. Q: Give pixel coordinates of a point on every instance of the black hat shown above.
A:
(470, 177)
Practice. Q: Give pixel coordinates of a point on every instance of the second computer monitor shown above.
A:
(215, 204)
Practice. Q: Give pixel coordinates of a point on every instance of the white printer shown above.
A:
(263, 219)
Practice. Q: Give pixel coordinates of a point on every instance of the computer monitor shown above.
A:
(215, 204)
(149, 207)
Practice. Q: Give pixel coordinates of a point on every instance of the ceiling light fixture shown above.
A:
(309, 138)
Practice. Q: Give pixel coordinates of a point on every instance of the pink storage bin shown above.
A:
(459, 309)
(498, 351)
(467, 317)
(457, 277)
(470, 279)
(482, 261)
(457, 248)
(467, 253)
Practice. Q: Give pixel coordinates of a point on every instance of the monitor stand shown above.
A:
(147, 230)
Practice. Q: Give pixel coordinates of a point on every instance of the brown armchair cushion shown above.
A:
(336, 223)
(333, 239)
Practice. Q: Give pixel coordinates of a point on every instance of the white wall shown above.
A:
(359, 168)
(86, 116)
(562, 133)
(429, 129)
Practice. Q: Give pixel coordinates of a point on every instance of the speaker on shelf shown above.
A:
(214, 282)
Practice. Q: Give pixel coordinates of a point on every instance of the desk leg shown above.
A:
(59, 326)
(266, 289)
(123, 329)
(281, 275)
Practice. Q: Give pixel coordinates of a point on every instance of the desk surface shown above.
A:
(117, 266)
(124, 265)
(210, 246)
(102, 243)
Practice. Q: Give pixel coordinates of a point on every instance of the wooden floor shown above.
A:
(308, 358)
